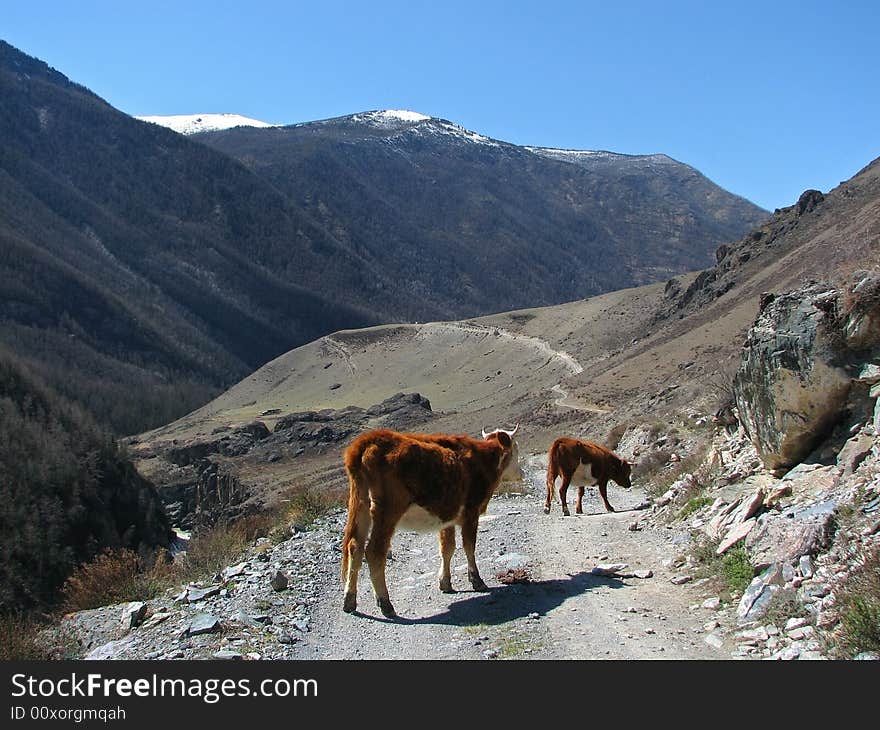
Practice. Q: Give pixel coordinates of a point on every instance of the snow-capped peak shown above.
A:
(390, 118)
(193, 123)
(404, 114)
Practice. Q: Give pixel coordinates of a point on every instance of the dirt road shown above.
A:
(562, 612)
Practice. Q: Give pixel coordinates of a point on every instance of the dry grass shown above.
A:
(18, 640)
(116, 576)
(112, 577)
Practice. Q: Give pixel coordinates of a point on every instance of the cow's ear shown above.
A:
(504, 439)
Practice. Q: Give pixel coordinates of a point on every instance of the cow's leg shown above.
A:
(469, 543)
(355, 548)
(580, 505)
(563, 490)
(551, 487)
(603, 489)
(384, 521)
(447, 548)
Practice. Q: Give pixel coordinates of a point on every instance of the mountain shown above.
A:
(143, 272)
(470, 224)
(193, 123)
(663, 354)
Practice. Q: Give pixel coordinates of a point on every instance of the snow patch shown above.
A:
(193, 123)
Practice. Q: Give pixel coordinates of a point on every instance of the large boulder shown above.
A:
(800, 362)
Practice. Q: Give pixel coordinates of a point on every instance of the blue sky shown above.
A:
(765, 98)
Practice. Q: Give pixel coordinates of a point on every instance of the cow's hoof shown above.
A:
(566, 513)
(350, 603)
(546, 510)
(609, 508)
(386, 608)
(478, 584)
(446, 587)
(578, 511)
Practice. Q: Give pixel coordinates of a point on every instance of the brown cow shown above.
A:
(583, 461)
(422, 482)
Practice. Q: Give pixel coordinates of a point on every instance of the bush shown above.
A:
(694, 504)
(858, 600)
(737, 569)
(114, 576)
(19, 640)
(731, 572)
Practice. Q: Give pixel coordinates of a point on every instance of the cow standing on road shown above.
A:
(587, 463)
(422, 482)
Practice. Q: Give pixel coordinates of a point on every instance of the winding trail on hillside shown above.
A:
(568, 361)
(563, 611)
(343, 352)
(536, 343)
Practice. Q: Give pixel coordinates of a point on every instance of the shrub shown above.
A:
(694, 504)
(113, 576)
(19, 639)
(737, 569)
(858, 600)
(731, 572)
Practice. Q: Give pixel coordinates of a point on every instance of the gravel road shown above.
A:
(561, 611)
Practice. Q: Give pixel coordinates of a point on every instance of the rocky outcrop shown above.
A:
(801, 367)
(203, 480)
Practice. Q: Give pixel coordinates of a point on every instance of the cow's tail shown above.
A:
(357, 526)
(552, 473)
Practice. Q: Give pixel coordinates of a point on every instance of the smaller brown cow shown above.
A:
(587, 463)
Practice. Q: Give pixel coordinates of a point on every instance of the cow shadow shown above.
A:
(506, 603)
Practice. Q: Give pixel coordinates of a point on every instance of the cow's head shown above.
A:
(624, 474)
(512, 471)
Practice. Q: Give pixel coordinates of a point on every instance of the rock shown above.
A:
(808, 200)
(790, 390)
(156, 619)
(734, 535)
(227, 654)
(278, 581)
(777, 495)
(133, 614)
(512, 561)
(608, 568)
(805, 566)
(678, 580)
(785, 536)
(643, 574)
(194, 594)
(233, 571)
(665, 498)
(796, 623)
(854, 452)
(753, 635)
(490, 654)
(110, 650)
(203, 623)
(804, 632)
(713, 640)
(713, 604)
(753, 604)
(867, 656)
(634, 526)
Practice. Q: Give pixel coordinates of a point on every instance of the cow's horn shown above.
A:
(515, 429)
(484, 433)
